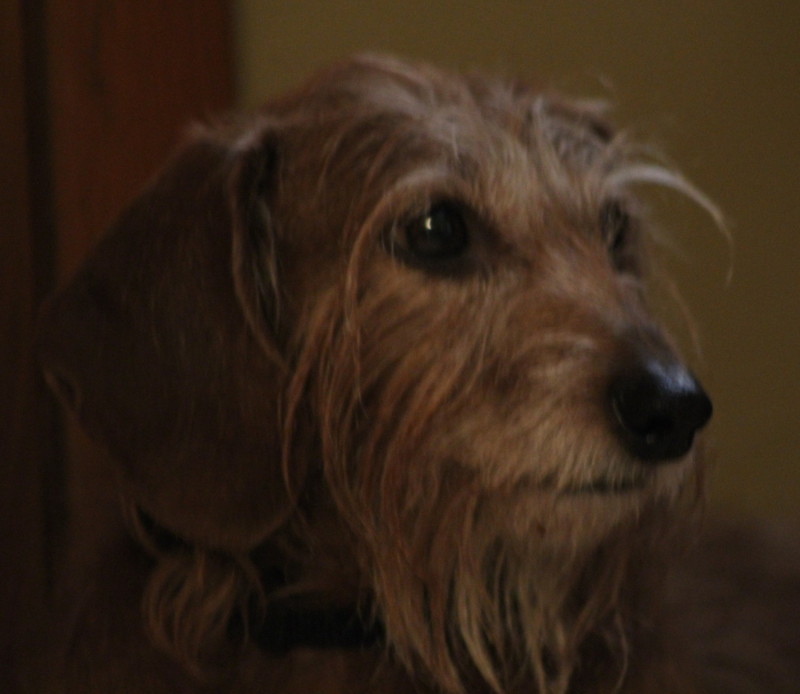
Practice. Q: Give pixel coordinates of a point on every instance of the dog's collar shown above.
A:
(287, 625)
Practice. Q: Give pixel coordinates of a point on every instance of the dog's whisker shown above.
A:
(641, 173)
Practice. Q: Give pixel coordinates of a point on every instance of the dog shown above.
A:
(389, 409)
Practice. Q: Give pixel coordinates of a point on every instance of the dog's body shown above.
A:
(390, 410)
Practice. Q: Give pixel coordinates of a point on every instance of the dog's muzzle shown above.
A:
(658, 407)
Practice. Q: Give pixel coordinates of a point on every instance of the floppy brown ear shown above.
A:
(160, 346)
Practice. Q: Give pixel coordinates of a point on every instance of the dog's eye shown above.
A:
(615, 225)
(438, 235)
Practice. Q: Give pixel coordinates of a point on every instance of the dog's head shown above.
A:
(397, 321)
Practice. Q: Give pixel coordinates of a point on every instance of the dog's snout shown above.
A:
(658, 407)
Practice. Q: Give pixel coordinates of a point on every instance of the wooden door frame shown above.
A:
(96, 93)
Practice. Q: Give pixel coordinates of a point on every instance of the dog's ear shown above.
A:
(162, 345)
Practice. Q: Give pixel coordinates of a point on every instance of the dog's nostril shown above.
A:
(658, 406)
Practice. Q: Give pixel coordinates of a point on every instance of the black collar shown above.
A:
(286, 627)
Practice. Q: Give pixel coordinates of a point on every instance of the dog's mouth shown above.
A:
(605, 486)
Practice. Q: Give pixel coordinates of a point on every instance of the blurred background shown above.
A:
(97, 92)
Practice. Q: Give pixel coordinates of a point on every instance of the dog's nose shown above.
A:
(658, 407)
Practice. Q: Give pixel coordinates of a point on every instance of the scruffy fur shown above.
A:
(287, 390)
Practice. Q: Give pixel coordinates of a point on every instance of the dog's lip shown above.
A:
(608, 486)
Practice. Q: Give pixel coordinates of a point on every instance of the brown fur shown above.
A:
(282, 390)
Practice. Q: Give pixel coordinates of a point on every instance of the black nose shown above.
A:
(658, 407)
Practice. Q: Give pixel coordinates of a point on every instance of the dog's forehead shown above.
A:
(451, 109)
(378, 121)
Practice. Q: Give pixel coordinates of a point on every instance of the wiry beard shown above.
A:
(478, 609)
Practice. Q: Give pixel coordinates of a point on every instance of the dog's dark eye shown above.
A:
(439, 234)
(615, 225)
